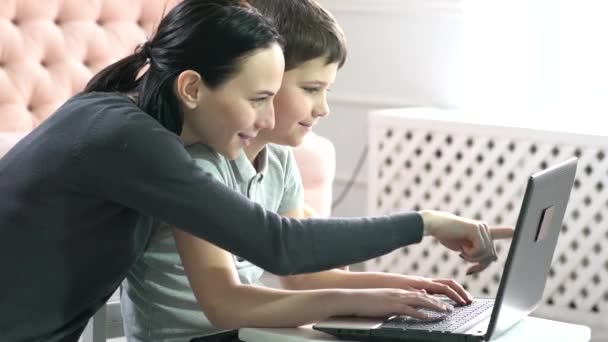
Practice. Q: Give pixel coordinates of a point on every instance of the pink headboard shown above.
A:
(49, 50)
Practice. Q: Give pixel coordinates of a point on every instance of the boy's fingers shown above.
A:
(456, 287)
(428, 302)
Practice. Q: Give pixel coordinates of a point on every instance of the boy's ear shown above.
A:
(188, 88)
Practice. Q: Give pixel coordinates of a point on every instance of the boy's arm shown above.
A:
(215, 281)
(228, 304)
(338, 278)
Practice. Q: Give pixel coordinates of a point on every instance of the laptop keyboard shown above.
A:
(441, 321)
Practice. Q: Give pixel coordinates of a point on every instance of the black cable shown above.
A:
(352, 179)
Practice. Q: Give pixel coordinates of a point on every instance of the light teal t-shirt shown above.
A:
(157, 302)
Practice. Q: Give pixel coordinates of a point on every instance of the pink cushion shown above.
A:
(8, 140)
(316, 159)
(49, 51)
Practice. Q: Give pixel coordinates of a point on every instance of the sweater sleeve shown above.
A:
(128, 158)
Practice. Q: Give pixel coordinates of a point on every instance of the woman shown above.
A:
(82, 191)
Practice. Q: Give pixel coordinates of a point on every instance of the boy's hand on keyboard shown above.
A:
(447, 287)
(389, 302)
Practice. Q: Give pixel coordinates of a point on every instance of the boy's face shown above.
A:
(301, 101)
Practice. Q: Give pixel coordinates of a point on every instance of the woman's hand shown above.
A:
(472, 238)
(389, 302)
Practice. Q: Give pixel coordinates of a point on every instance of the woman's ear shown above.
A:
(188, 88)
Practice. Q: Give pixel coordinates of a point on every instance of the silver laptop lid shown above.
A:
(527, 265)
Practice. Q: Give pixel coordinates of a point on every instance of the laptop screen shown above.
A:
(536, 233)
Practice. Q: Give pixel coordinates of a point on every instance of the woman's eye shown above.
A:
(259, 100)
(311, 90)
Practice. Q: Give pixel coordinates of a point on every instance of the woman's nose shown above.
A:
(266, 118)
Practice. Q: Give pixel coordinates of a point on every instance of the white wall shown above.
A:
(547, 56)
(401, 53)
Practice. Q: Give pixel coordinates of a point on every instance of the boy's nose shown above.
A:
(321, 110)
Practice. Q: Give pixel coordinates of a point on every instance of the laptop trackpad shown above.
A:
(354, 323)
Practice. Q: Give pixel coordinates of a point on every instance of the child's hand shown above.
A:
(388, 302)
(447, 287)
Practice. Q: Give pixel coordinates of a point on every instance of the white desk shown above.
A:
(529, 329)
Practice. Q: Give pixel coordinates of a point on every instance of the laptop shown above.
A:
(521, 287)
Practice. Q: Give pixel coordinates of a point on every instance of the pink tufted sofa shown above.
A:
(50, 49)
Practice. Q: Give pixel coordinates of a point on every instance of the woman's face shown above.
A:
(301, 101)
(228, 117)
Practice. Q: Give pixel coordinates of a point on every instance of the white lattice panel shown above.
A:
(480, 171)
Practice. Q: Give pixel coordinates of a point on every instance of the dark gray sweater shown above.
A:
(80, 194)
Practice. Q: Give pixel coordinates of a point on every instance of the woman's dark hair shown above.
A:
(210, 37)
(309, 31)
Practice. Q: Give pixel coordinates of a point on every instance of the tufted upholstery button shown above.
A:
(48, 53)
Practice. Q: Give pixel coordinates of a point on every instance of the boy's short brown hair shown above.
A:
(309, 30)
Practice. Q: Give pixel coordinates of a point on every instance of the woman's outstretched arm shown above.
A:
(127, 157)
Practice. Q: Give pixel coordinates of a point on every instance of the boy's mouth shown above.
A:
(306, 125)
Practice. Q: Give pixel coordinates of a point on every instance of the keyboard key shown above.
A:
(441, 321)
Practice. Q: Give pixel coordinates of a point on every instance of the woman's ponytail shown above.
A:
(121, 76)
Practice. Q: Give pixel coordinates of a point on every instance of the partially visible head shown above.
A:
(309, 31)
(213, 67)
(301, 102)
(315, 48)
